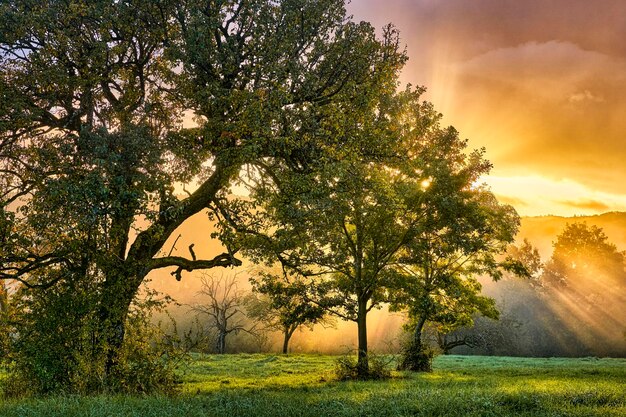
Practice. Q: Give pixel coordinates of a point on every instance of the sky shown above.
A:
(541, 84)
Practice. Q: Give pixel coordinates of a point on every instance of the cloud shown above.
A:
(593, 205)
(513, 201)
(480, 25)
(549, 108)
(541, 84)
(583, 96)
(551, 70)
(534, 195)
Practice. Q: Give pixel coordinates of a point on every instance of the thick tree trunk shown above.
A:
(115, 331)
(112, 329)
(362, 363)
(117, 296)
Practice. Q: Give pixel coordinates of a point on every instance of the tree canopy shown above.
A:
(403, 196)
(94, 136)
(280, 303)
(584, 257)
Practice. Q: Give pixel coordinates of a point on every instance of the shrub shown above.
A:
(56, 348)
(346, 368)
(416, 357)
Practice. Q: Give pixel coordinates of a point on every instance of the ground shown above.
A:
(303, 385)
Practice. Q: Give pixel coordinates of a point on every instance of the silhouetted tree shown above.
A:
(584, 256)
(222, 312)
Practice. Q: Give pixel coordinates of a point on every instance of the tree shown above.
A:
(582, 254)
(490, 337)
(585, 280)
(282, 304)
(223, 308)
(473, 331)
(337, 224)
(348, 224)
(463, 232)
(97, 92)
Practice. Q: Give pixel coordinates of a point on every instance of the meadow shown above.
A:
(304, 385)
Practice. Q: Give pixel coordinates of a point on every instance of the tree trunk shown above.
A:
(287, 333)
(416, 357)
(221, 343)
(362, 363)
(417, 334)
(112, 315)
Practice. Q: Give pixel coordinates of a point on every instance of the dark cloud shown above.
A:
(480, 25)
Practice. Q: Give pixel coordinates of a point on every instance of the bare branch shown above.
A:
(184, 264)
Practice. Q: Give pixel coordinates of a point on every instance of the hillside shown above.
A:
(542, 231)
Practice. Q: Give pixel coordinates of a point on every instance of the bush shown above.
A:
(416, 357)
(57, 349)
(346, 368)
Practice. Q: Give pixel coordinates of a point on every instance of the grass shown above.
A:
(302, 385)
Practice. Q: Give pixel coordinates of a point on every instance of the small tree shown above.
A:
(436, 281)
(282, 304)
(223, 308)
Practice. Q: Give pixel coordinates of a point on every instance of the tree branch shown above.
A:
(184, 264)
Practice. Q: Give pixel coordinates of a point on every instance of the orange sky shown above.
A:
(540, 83)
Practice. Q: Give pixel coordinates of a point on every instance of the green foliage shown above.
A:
(56, 347)
(402, 220)
(282, 304)
(417, 357)
(460, 238)
(53, 338)
(582, 256)
(150, 355)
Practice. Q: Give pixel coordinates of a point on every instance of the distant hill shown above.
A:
(542, 231)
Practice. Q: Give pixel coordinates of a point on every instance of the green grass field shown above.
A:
(303, 385)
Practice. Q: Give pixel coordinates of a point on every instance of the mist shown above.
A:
(534, 321)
